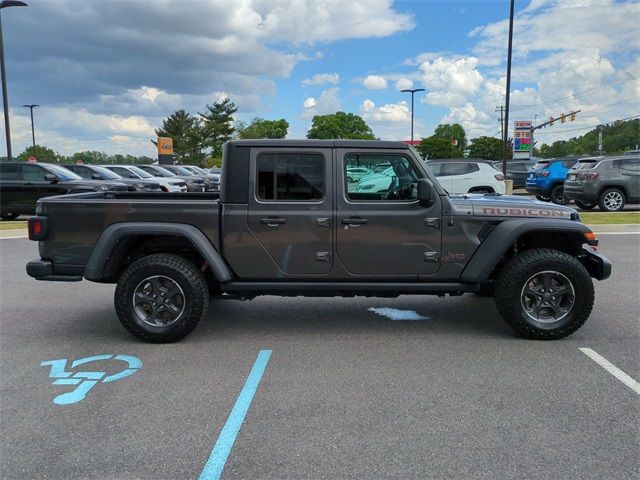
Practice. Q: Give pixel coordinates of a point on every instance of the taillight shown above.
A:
(499, 177)
(588, 175)
(544, 173)
(37, 228)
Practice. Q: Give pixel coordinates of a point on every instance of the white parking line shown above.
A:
(612, 369)
(26, 235)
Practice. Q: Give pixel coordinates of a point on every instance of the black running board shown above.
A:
(346, 288)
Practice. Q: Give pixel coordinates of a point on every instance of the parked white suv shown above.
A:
(168, 184)
(467, 175)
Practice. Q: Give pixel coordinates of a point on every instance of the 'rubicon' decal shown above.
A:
(524, 212)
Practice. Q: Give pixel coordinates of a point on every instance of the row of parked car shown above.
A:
(608, 182)
(22, 184)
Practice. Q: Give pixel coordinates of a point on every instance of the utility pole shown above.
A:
(505, 133)
(33, 131)
(600, 139)
(501, 110)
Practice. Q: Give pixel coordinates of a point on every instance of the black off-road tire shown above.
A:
(520, 269)
(557, 195)
(606, 203)
(179, 270)
(585, 205)
(9, 216)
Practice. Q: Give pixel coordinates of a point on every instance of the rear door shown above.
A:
(630, 174)
(291, 208)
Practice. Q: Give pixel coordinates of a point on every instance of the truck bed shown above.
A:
(77, 221)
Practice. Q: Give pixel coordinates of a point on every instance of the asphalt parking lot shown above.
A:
(345, 393)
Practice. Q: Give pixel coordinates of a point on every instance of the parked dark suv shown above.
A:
(22, 184)
(96, 172)
(609, 182)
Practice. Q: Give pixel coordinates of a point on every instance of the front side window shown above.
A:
(290, 177)
(394, 178)
(33, 173)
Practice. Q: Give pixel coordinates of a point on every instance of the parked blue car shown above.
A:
(546, 179)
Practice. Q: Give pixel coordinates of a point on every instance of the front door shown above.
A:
(291, 208)
(382, 230)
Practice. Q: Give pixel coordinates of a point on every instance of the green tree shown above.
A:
(449, 131)
(187, 134)
(42, 153)
(217, 125)
(340, 125)
(90, 156)
(260, 128)
(438, 147)
(489, 148)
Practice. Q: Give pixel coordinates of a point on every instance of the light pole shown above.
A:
(5, 96)
(412, 91)
(33, 130)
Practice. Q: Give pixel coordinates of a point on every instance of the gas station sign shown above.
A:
(522, 137)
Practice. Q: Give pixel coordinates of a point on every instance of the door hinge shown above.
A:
(431, 256)
(323, 256)
(432, 222)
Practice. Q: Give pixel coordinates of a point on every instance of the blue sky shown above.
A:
(106, 73)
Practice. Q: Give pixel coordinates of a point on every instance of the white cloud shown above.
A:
(322, 79)
(151, 93)
(374, 82)
(327, 103)
(450, 81)
(391, 112)
(404, 84)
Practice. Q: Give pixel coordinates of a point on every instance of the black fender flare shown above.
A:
(498, 242)
(114, 233)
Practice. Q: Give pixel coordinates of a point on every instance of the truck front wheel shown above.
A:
(161, 298)
(544, 294)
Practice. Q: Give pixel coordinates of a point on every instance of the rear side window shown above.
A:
(290, 176)
(9, 171)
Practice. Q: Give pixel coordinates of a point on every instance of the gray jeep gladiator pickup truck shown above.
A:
(289, 222)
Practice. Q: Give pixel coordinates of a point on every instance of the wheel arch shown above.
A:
(512, 236)
(618, 186)
(118, 240)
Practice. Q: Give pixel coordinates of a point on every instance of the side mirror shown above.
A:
(96, 176)
(50, 177)
(425, 192)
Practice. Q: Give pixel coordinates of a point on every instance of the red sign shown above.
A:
(32, 159)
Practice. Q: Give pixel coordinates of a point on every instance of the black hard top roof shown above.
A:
(319, 143)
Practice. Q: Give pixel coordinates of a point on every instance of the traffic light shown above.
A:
(573, 116)
(562, 118)
(551, 121)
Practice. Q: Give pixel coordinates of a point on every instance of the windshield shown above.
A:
(106, 173)
(179, 170)
(61, 172)
(141, 173)
(584, 164)
(162, 172)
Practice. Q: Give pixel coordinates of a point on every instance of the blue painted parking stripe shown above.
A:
(213, 468)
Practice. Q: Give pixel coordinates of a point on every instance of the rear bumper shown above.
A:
(598, 266)
(43, 270)
(536, 190)
(580, 191)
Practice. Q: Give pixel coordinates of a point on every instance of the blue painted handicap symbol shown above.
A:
(85, 381)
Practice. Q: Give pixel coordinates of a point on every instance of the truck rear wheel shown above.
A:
(161, 298)
(544, 294)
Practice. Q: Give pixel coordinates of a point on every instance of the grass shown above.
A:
(12, 225)
(609, 218)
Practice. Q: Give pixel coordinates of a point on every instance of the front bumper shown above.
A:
(598, 266)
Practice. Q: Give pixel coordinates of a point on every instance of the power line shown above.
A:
(584, 128)
(621, 78)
